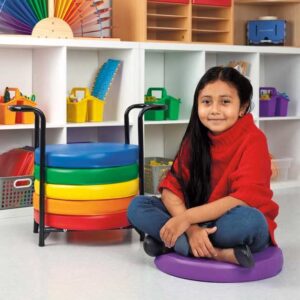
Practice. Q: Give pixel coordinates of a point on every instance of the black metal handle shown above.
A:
(144, 107)
(39, 141)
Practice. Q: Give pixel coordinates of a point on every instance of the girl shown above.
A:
(216, 199)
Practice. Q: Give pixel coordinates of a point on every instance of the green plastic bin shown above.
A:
(172, 113)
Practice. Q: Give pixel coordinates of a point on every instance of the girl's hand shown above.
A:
(199, 241)
(175, 227)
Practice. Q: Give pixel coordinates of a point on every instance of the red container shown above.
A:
(172, 1)
(212, 2)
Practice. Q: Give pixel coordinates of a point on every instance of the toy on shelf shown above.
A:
(266, 31)
(56, 19)
(172, 113)
(90, 107)
(105, 77)
(87, 109)
(272, 103)
(8, 117)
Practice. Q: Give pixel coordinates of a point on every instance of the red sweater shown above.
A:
(240, 168)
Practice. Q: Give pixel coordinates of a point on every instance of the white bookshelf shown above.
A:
(49, 68)
(179, 67)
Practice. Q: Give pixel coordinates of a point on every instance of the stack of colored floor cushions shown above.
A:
(88, 186)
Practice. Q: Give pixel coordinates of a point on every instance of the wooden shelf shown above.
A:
(209, 19)
(167, 28)
(158, 3)
(165, 16)
(266, 2)
(209, 31)
(171, 22)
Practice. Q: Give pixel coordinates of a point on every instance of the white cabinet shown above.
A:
(179, 68)
(50, 68)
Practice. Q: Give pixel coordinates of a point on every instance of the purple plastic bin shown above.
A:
(267, 108)
(281, 106)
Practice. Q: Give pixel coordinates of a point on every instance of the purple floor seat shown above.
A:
(268, 263)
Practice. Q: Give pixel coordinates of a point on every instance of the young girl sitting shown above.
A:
(216, 200)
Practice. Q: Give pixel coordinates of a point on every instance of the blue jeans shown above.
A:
(240, 225)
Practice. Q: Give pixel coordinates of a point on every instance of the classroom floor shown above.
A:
(112, 265)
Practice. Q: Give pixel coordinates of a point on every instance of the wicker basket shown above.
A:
(16, 191)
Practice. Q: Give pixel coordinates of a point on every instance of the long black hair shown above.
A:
(197, 189)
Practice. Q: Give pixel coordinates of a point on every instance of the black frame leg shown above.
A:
(144, 107)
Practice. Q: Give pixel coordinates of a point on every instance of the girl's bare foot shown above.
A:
(240, 255)
(226, 255)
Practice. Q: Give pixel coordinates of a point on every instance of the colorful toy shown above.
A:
(100, 222)
(105, 77)
(84, 207)
(8, 117)
(172, 113)
(90, 192)
(89, 176)
(268, 263)
(57, 19)
(60, 206)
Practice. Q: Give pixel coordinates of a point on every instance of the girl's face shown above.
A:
(219, 106)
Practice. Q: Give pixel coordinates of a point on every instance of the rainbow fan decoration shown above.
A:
(56, 18)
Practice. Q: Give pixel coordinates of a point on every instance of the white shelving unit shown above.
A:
(50, 68)
(179, 68)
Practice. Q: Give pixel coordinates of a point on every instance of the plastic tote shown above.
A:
(282, 102)
(88, 109)
(267, 107)
(172, 113)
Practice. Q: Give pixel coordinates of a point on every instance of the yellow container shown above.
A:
(88, 109)
(95, 109)
(7, 117)
(77, 112)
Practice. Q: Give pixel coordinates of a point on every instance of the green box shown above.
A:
(155, 115)
(172, 113)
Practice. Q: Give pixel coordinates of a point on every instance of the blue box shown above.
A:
(266, 32)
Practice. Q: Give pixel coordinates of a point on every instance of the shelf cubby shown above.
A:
(283, 75)
(83, 66)
(282, 9)
(177, 71)
(212, 24)
(167, 21)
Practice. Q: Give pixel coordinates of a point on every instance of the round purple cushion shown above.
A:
(268, 263)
